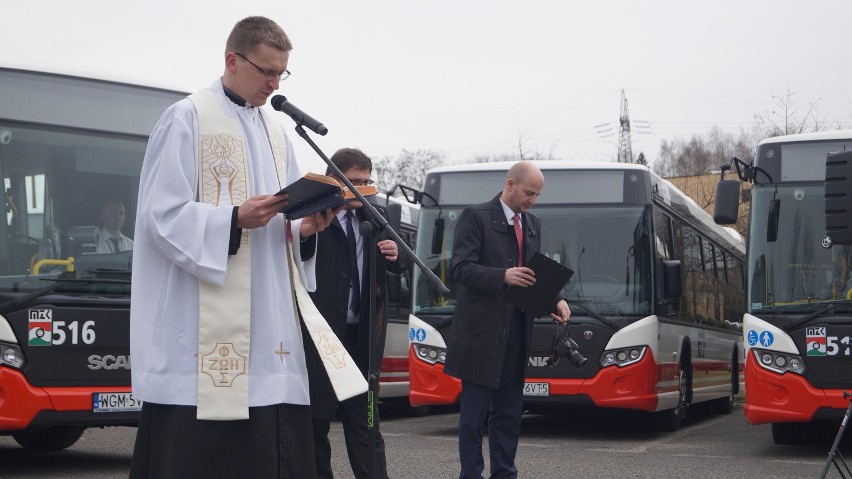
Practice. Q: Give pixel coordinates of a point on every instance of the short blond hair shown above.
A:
(252, 31)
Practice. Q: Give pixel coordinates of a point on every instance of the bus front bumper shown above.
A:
(23, 405)
(429, 384)
(628, 387)
(772, 397)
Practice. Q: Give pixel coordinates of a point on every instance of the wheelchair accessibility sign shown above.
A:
(764, 338)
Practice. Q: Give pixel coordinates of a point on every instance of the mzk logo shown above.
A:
(40, 327)
(815, 341)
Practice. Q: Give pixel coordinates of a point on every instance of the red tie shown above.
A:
(520, 237)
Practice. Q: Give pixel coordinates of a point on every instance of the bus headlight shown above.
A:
(779, 362)
(430, 354)
(11, 355)
(622, 356)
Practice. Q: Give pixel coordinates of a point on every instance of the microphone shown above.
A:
(280, 103)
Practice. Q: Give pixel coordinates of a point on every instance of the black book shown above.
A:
(550, 277)
(312, 193)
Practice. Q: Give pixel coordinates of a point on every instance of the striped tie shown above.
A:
(520, 237)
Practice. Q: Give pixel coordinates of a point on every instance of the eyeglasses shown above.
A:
(360, 182)
(268, 74)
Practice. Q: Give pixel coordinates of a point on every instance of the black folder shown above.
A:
(550, 277)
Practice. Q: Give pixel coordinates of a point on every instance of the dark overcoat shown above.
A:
(483, 249)
(332, 299)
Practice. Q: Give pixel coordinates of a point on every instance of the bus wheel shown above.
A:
(725, 405)
(49, 439)
(788, 432)
(671, 419)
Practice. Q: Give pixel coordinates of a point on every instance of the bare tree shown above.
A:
(522, 153)
(408, 168)
(688, 165)
(789, 116)
(702, 153)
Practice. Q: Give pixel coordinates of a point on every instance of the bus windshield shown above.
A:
(792, 270)
(58, 186)
(71, 179)
(608, 247)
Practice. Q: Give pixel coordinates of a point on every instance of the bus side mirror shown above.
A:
(672, 287)
(727, 202)
(838, 197)
(772, 221)
(438, 236)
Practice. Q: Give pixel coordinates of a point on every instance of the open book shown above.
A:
(313, 192)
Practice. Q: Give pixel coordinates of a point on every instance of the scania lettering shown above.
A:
(109, 362)
(657, 294)
(798, 322)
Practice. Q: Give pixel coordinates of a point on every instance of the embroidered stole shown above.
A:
(225, 311)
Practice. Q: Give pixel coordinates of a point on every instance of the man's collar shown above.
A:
(507, 211)
(233, 96)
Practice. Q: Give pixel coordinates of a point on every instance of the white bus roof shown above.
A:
(668, 193)
(91, 74)
(544, 165)
(816, 136)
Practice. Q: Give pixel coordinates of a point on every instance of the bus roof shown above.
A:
(91, 75)
(680, 201)
(544, 165)
(815, 136)
(663, 189)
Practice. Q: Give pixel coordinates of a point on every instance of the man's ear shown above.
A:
(231, 61)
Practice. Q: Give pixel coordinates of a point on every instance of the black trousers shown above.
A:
(274, 443)
(502, 406)
(353, 418)
(360, 447)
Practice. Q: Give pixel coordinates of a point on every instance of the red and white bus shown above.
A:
(657, 294)
(798, 322)
(64, 309)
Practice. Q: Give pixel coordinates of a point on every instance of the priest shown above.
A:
(216, 295)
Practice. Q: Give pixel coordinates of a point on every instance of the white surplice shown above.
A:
(179, 241)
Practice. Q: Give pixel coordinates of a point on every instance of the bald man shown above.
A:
(488, 344)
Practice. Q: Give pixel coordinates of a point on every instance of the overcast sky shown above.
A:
(474, 77)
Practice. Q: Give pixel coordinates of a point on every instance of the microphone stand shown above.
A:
(373, 369)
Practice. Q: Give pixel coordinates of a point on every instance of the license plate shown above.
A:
(536, 389)
(115, 402)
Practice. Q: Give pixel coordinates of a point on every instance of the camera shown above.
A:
(565, 347)
(5, 137)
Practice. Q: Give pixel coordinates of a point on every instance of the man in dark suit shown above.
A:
(343, 299)
(488, 344)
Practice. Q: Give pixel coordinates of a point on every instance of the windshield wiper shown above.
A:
(814, 315)
(596, 315)
(26, 298)
(122, 271)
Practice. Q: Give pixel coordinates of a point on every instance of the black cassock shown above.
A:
(275, 442)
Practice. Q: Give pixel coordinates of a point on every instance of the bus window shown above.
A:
(56, 183)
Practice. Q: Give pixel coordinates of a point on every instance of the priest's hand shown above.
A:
(258, 210)
(317, 222)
